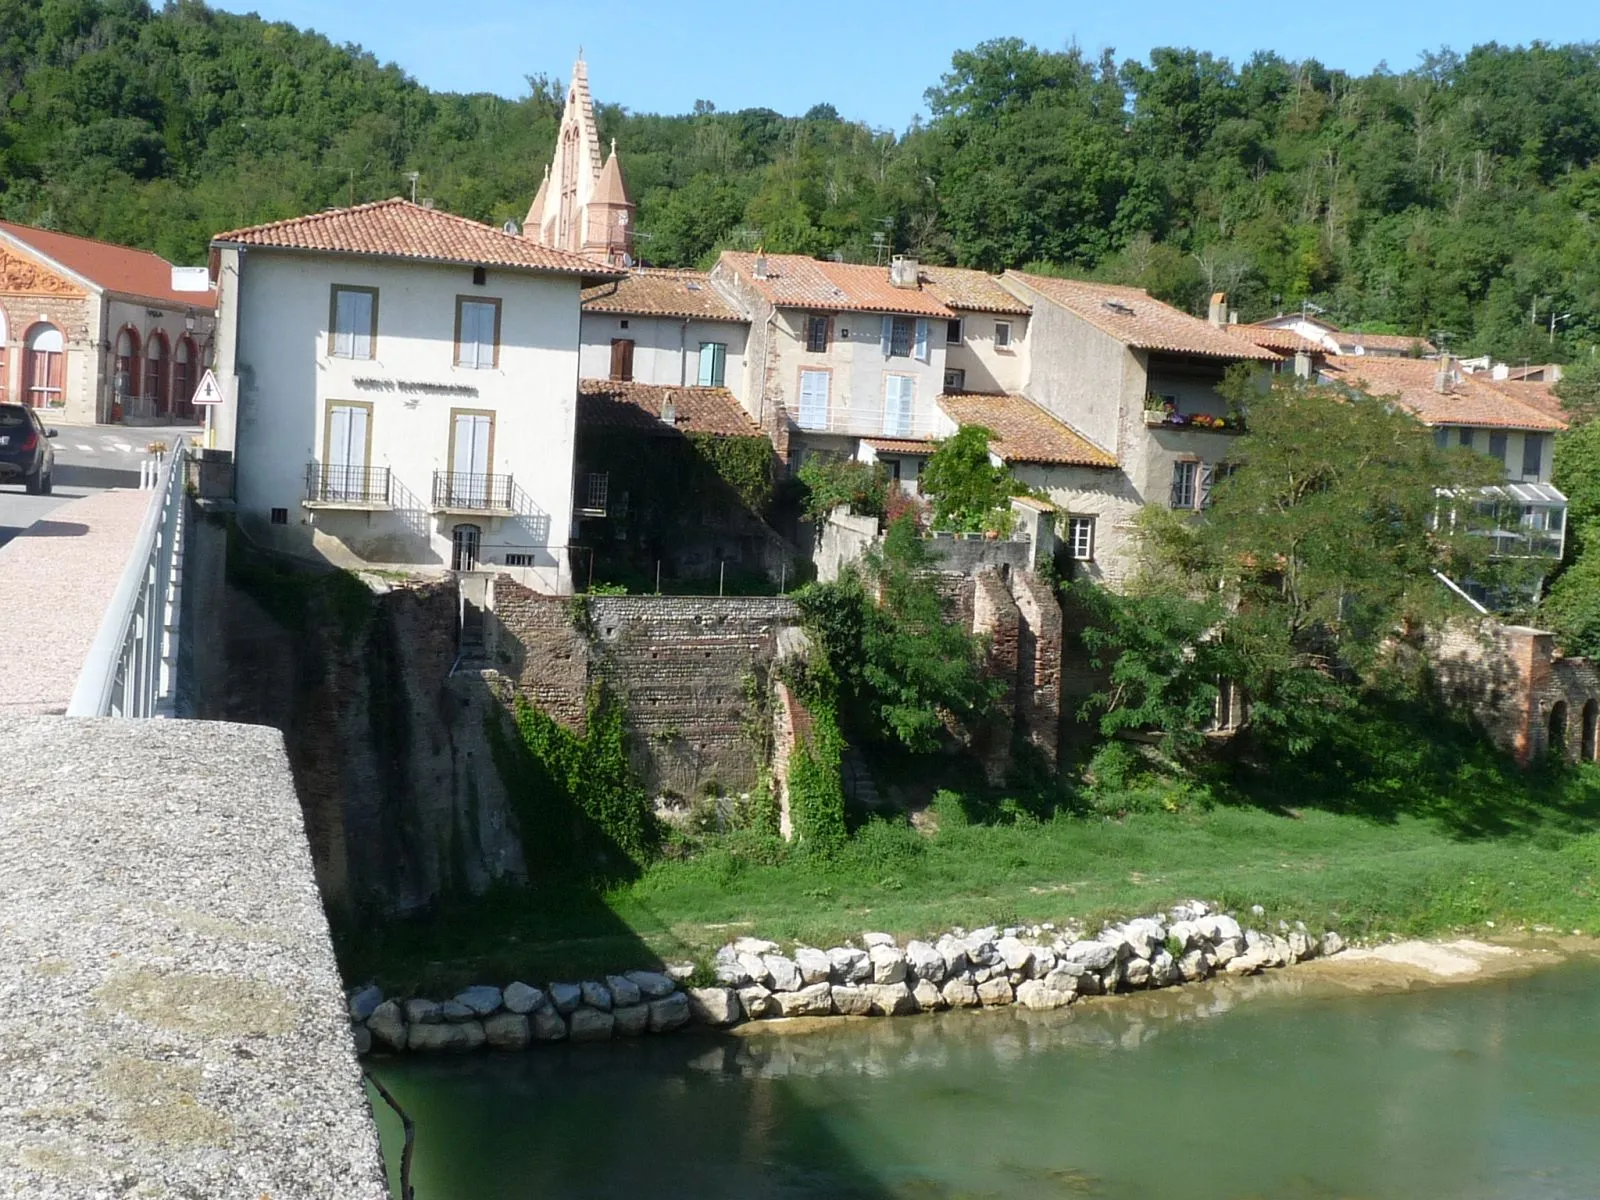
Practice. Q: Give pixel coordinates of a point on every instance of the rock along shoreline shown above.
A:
(1037, 967)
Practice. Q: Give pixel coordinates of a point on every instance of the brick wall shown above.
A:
(681, 663)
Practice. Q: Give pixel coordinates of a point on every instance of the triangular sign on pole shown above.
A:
(209, 391)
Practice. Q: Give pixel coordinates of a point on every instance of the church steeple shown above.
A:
(582, 205)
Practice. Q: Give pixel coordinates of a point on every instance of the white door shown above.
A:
(347, 452)
(814, 399)
(469, 473)
(897, 391)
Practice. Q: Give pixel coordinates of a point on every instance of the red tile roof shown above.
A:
(1284, 341)
(971, 291)
(1393, 343)
(661, 293)
(1467, 400)
(795, 281)
(1535, 395)
(612, 404)
(110, 267)
(911, 446)
(1136, 319)
(399, 229)
(1023, 431)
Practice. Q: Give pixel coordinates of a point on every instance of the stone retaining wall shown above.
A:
(1038, 968)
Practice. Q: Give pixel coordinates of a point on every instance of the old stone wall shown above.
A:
(686, 666)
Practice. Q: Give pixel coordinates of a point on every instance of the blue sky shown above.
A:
(873, 61)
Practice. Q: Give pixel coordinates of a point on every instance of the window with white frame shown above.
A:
(901, 332)
(1002, 335)
(1532, 455)
(713, 363)
(955, 379)
(1185, 483)
(353, 322)
(1080, 538)
(816, 333)
(952, 332)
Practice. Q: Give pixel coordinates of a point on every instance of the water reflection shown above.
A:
(1466, 1093)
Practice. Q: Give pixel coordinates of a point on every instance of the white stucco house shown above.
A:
(401, 388)
(666, 328)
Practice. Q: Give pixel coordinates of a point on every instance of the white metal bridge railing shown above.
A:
(131, 670)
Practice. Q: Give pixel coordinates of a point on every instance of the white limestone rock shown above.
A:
(669, 1013)
(1332, 943)
(507, 1031)
(1136, 972)
(888, 964)
(566, 997)
(388, 1026)
(1195, 966)
(652, 983)
(596, 995)
(1096, 956)
(851, 1001)
(1225, 950)
(1282, 953)
(980, 948)
(750, 945)
(1163, 970)
(850, 965)
(520, 998)
(717, 1006)
(813, 1000)
(960, 992)
(591, 1025)
(755, 969)
(757, 1002)
(1247, 963)
(1044, 961)
(1146, 935)
(1038, 996)
(624, 991)
(482, 999)
(1015, 954)
(1066, 977)
(995, 993)
(869, 940)
(1184, 935)
(954, 952)
(928, 996)
(815, 966)
(784, 973)
(548, 1025)
(364, 1002)
(1301, 946)
(631, 1019)
(925, 962)
(890, 999)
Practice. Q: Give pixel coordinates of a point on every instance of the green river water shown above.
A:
(1276, 1088)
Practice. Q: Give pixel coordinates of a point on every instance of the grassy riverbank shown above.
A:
(1411, 875)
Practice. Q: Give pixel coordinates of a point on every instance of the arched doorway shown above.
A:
(1591, 726)
(126, 380)
(155, 374)
(1557, 743)
(464, 543)
(44, 366)
(184, 357)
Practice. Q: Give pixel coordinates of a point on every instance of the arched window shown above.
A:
(44, 366)
(126, 383)
(155, 373)
(184, 357)
(1558, 729)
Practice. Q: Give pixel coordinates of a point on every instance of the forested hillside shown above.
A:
(1459, 196)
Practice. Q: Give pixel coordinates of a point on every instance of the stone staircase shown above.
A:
(858, 784)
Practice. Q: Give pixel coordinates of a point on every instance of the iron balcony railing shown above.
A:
(454, 491)
(332, 483)
(132, 666)
(866, 422)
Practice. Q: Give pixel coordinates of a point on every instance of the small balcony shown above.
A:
(458, 492)
(335, 486)
(857, 422)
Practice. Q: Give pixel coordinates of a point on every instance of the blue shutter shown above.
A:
(707, 361)
(922, 339)
(888, 335)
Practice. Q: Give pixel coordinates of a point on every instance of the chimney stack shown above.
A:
(761, 263)
(1302, 364)
(1446, 376)
(1218, 314)
(903, 272)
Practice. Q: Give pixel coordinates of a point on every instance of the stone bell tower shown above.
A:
(582, 204)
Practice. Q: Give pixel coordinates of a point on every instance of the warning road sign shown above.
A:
(209, 391)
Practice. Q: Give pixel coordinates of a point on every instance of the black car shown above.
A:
(25, 450)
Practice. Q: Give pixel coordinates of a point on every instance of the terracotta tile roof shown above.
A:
(912, 446)
(1138, 320)
(795, 281)
(661, 293)
(399, 229)
(1284, 341)
(1394, 343)
(109, 267)
(1537, 396)
(637, 406)
(971, 291)
(1023, 431)
(1468, 401)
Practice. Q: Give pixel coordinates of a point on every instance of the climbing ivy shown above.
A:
(578, 806)
(816, 782)
(744, 464)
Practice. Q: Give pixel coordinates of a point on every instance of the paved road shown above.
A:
(89, 459)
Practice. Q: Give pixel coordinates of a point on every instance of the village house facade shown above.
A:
(93, 332)
(400, 389)
(666, 328)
